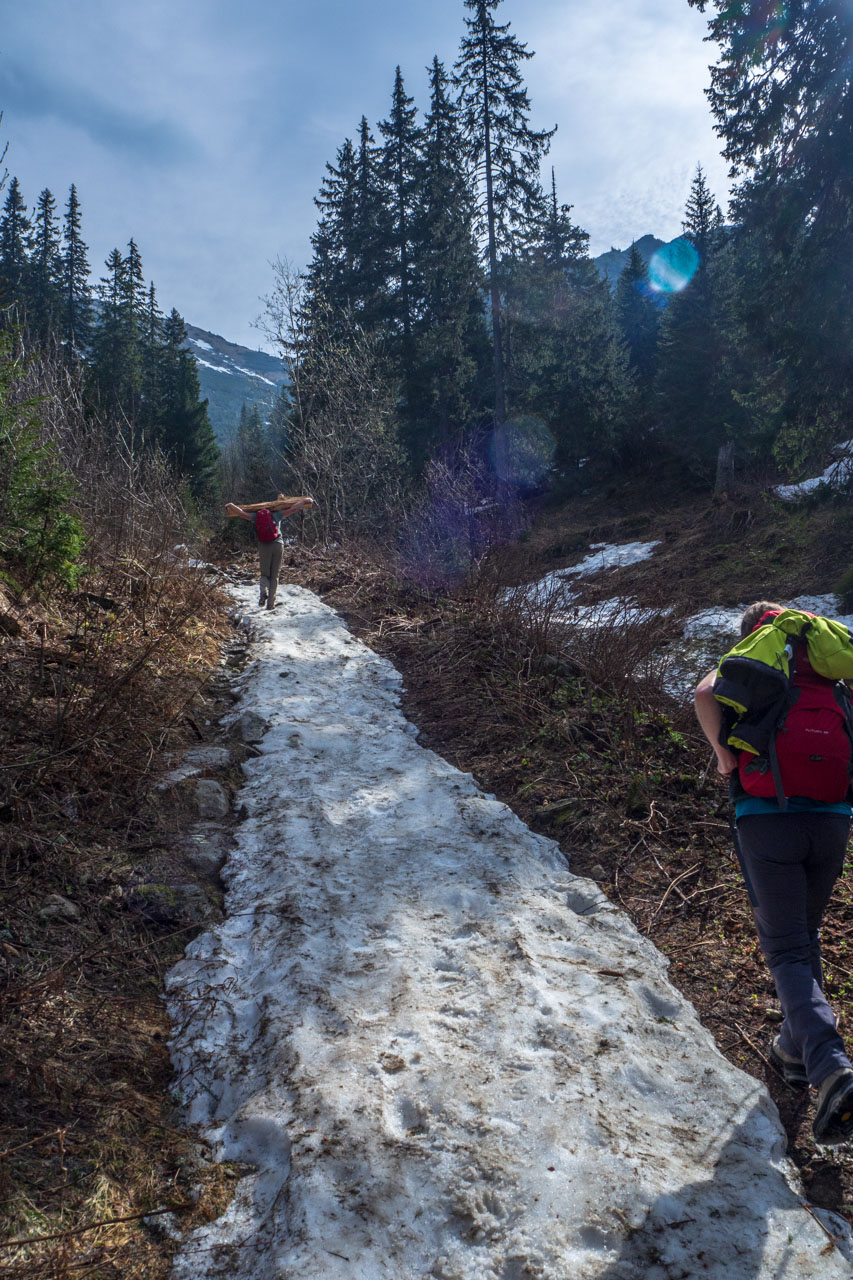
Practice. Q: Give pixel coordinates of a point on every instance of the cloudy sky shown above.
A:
(201, 128)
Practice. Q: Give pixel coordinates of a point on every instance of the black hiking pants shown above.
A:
(790, 862)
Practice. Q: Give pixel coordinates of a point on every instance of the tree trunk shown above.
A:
(725, 469)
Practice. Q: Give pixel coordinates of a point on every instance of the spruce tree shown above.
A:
(701, 217)
(185, 431)
(569, 367)
(560, 241)
(447, 390)
(44, 289)
(399, 169)
(372, 245)
(76, 326)
(15, 243)
(353, 256)
(150, 408)
(693, 402)
(253, 452)
(782, 96)
(134, 320)
(106, 370)
(331, 275)
(504, 152)
(639, 318)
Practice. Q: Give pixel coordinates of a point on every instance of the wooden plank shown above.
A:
(281, 503)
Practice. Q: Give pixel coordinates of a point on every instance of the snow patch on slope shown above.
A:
(444, 1054)
(838, 473)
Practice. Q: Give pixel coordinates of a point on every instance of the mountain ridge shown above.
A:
(230, 376)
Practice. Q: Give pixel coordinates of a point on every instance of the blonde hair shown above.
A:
(753, 615)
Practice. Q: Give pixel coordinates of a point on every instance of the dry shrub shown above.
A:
(619, 647)
(79, 669)
(463, 516)
(95, 683)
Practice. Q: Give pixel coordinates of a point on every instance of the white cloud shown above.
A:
(248, 105)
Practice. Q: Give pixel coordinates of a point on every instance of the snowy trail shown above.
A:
(444, 1054)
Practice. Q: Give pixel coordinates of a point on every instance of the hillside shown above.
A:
(230, 376)
(612, 264)
(613, 771)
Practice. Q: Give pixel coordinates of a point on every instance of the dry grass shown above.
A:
(95, 685)
(95, 689)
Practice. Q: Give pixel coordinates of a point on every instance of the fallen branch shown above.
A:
(93, 1226)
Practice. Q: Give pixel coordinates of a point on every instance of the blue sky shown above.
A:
(202, 128)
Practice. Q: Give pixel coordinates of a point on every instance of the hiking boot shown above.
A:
(792, 1070)
(262, 600)
(833, 1123)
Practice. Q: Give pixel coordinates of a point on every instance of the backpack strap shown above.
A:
(845, 701)
(773, 757)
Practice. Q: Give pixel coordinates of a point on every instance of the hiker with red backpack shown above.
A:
(266, 521)
(778, 714)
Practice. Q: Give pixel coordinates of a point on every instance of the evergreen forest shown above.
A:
(124, 363)
(444, 257)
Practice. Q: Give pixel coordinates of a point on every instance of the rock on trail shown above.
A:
(443, 1054)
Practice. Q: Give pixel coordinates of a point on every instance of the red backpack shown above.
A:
(812, 743)
(265, 527)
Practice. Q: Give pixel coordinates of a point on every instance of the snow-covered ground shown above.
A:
(601, 556)
(444, 1054)
(838, 473)
(705, 638)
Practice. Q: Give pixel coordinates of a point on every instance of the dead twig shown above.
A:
(92, 1226)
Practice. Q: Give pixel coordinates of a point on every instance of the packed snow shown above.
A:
(442, 1054)
(838, 473)
(708, 634)
(555, 589)
(704, 637)
(259, 377)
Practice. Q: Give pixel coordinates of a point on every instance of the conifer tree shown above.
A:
(15, 243)
(372, 246)
(253, 459)
(639, 318)
(352, 258)
(45, 270)
(150, 408)
(503, 150)
(133, 314)
(106, 371)
(701, 217)
(331, 275)
(782, 96)
(76, 294)
(560, 242)
(399, 168)
(693, 403)
(568, 367)
(185, 431)
(448, 391)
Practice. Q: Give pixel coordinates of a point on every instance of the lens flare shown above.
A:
(521, 452)
(674, 266)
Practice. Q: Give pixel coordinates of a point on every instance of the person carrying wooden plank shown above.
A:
(266, 518)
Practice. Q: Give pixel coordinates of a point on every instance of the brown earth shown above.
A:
(92, 1154)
